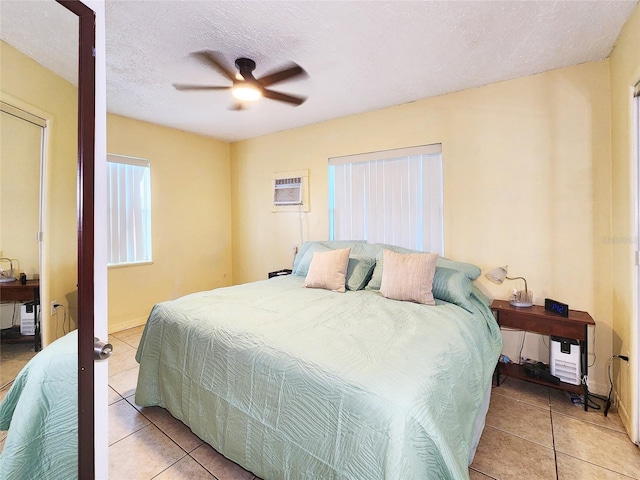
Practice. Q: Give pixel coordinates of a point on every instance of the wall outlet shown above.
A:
(53, 307)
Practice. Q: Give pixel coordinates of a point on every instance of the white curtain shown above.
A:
(392, 197)
(129, 210)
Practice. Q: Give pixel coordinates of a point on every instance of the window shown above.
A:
(392, 197)
(129, 204)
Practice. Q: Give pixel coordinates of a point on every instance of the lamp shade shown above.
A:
(520, 298)
(498, 275)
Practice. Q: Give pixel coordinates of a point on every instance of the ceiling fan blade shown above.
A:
(283, 97)
(183, 86)
(281, 75)
(216, 60)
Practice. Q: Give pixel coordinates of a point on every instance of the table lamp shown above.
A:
(6, 274)
(520, 298)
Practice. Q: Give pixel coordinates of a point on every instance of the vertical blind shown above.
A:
(392, 197)
(129, 204)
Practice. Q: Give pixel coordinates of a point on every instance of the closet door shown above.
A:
(20, 158)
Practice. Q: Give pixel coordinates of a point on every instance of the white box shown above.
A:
(27, 321)
(565, 360)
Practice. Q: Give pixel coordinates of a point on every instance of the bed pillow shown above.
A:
(408, 276)
(305, 253)
(359, 271)
(376, 276)
(328, 270)
(452, 286)
(301, 267)
(469, 270)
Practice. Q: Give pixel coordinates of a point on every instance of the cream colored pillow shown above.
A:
(408, 276)
(328, 270)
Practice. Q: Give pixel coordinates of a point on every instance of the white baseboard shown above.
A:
(135, 322)
(598, 388)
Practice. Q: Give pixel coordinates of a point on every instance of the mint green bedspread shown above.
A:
(297, 383)
(41, 413)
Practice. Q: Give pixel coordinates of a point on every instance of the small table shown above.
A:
(279, 273)
(29, 292)
(537, 319)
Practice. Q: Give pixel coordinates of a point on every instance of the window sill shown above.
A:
(131, 264)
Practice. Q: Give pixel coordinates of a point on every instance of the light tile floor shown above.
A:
(532, 432)
(13, 357)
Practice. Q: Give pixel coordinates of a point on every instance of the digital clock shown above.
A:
(556, 307)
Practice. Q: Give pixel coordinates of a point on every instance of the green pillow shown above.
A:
(452, 286)
(469, 270)
(376, 277)
(305, 254)
(359, 271)
(301, 267)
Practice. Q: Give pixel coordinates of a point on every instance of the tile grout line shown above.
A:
(553, 434)
(553, 441)
(195, 460)
(161, 472)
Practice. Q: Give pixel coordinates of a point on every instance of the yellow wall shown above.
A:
(191, 218)
(625, 73)
(32, 87)
(526, 176)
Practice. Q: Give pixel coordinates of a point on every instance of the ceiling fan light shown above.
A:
(246, 91)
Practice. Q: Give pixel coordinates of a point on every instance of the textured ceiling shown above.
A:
(360, 55)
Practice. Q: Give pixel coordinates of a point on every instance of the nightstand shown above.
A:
(538, 320)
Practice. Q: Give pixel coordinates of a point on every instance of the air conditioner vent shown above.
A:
(287, 191)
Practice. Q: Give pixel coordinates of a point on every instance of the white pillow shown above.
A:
(408, 276)
(328, 270)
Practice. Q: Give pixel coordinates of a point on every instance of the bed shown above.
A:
(306, 383)
(41, 413)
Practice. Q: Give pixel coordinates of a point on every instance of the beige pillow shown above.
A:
(328, 270)
(408, 276)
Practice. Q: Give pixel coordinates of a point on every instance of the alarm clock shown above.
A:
(556, 307)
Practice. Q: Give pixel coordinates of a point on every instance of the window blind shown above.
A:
(129, 204)
(392, 197)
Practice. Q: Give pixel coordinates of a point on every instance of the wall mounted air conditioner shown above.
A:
(287, 191)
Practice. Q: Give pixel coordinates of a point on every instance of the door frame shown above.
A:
(86, 161)
(634, 359)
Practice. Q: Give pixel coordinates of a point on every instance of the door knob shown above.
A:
(101, 350)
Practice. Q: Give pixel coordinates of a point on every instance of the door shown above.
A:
(92, 378)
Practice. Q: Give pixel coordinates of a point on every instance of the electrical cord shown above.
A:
(64, 318)
(608, 404)
(593, 349)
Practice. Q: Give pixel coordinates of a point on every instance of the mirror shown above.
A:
(63, 229)
(39, 154)
(39, 80)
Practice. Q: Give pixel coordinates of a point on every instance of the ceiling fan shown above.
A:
(245, 87)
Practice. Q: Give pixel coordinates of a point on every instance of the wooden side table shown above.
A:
(538, 320)
(279, 273)
(30, 292)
